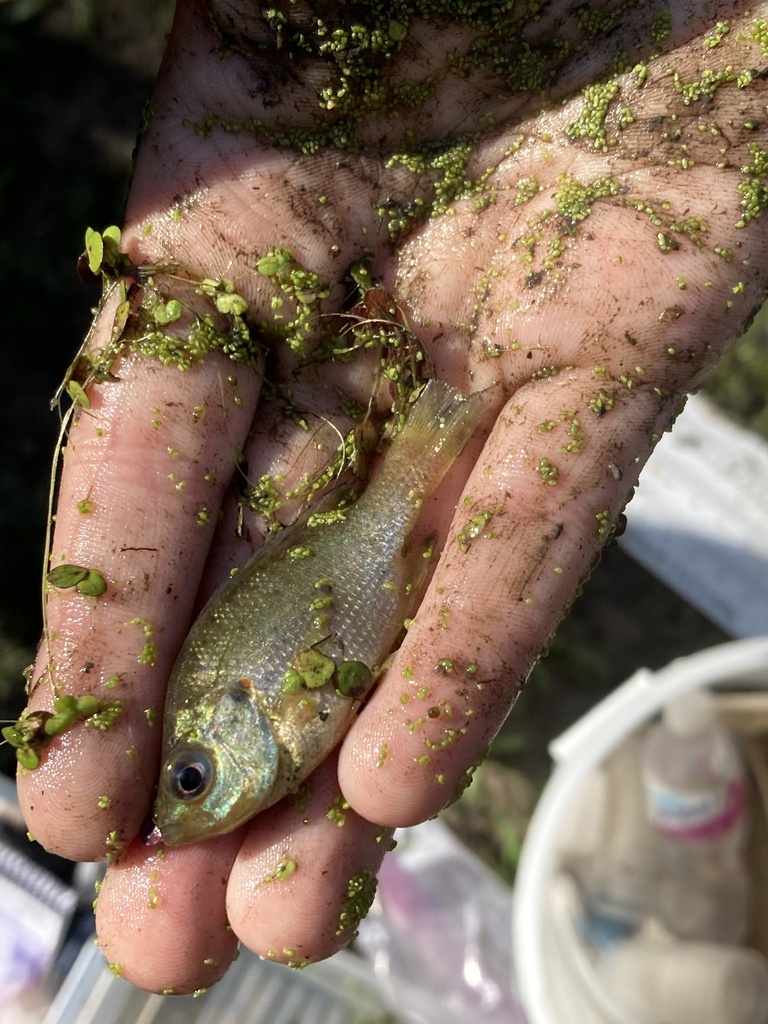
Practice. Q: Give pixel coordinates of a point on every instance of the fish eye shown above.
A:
(190, 775)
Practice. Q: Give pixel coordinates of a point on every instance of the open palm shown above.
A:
(564, 204)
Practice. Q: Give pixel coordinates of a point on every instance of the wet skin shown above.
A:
(594, 276)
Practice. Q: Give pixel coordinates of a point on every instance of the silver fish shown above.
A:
(274, 669)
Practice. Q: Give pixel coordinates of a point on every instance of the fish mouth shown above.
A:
(173, 827)
(170, 834)
(150, 832)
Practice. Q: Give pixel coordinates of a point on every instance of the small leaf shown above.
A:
(397, 31)
(233, 304)
(66, 576)
(65, 705)
(11, 734)
(78, 395)
(86, 581)
(57, 724)
(167, 313)
(273, 262)
(111, 241)
(292, 681)
(28, 758)
(65, 708)
(87, 705)
(121, 317)
(314, 668)
(353, 678)
(94, 584)
(94, 247)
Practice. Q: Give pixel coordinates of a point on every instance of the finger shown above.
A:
(161, 915)
(524, 536)
(285, 461)
(306, 874)
(144, 473)
(169, 918)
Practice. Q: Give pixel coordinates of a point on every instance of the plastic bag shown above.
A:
(439, 933)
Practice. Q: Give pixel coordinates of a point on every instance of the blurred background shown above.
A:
(76, 75)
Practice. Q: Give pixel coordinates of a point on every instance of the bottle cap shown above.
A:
(690, 714)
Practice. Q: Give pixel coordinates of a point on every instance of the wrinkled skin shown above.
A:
(612, 298)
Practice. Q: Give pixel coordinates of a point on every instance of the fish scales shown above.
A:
(274, 668)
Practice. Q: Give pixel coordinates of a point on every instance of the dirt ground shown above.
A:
(76, 75)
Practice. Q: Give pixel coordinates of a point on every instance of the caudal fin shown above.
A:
(439, 425)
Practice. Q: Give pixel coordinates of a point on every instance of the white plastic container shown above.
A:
(557, 982)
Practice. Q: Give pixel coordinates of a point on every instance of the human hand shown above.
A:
(589, 247)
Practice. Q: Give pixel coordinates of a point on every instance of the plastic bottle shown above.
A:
(695, 788)
(611, 849)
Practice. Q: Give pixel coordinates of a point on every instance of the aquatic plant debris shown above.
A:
(85, 581)
(360, 892)
(31, 733)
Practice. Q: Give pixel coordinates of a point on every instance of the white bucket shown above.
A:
(556, 984)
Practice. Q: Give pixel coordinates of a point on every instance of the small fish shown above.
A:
(274, 669)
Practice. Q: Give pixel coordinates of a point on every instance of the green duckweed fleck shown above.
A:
(360, 892)
(476, 527)
(338, 811)
(548, 472)
(753, 187)
(283, 871)
(604, 522)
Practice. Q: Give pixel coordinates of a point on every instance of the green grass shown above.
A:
(739, 383)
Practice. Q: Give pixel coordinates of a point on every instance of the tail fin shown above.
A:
(440, 424)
